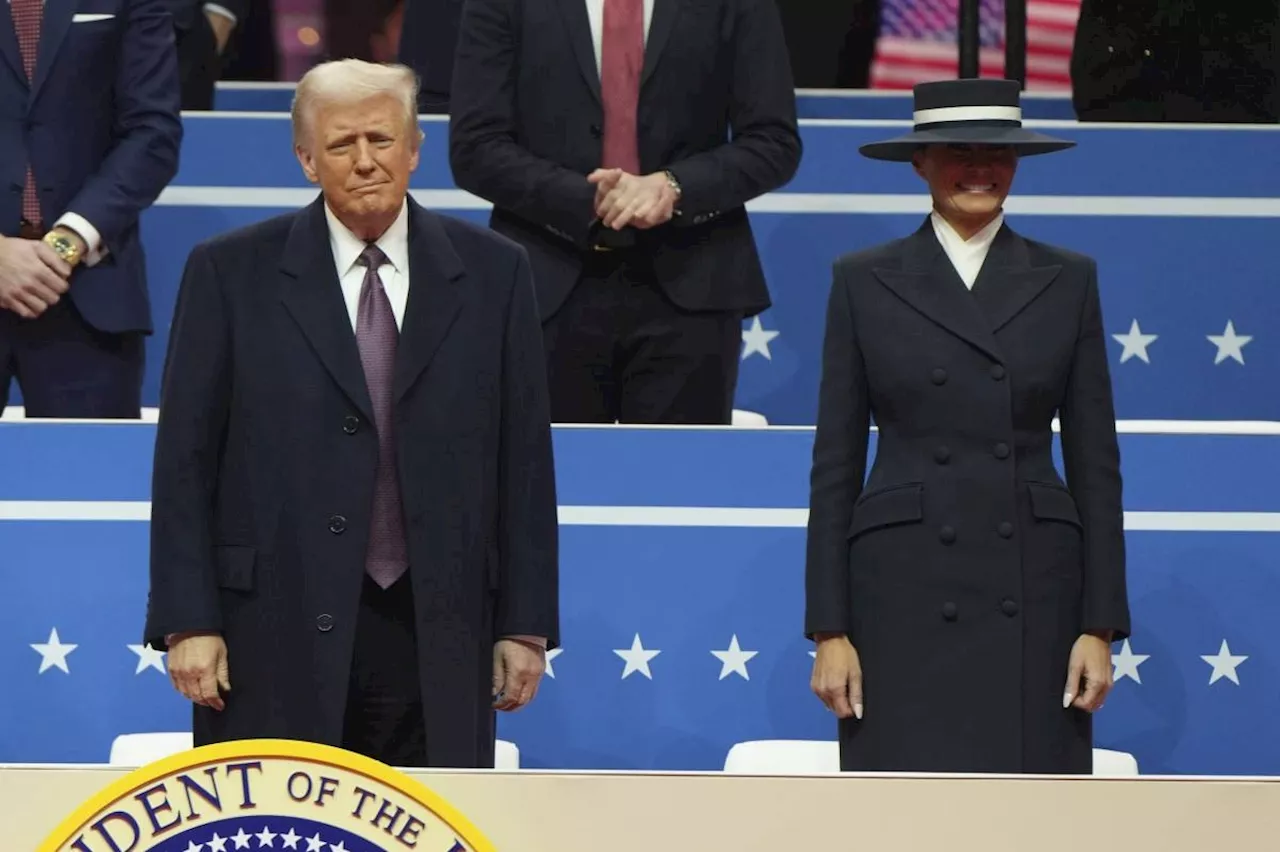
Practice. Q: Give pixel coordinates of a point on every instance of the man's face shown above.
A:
(361, 154)
(969, 183)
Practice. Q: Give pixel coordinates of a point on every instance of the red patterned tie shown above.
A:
(26, 22)
(377, 337)
(621, 61)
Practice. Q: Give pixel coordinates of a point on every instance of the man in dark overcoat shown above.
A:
(354, 533)
(962, 595)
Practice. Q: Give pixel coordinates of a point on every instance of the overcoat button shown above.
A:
(324, 623)
(337, 524)
(1009, 607)
(1005, 530)
(351, 425)
(997, 372)
(947, 535)
(949, 611)
(1001, 451)
(939, 376)
(942, 455)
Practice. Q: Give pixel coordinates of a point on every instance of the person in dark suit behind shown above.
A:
(354, 534)
(428, 37)
(89, 136)
(963, 598)
(619, 141)
(204, 34)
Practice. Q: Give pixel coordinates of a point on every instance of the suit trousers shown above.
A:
(384, 713)
(67, 368)
(619, 350)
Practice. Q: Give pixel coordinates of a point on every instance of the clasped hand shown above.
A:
(624, 199)
(32, 277)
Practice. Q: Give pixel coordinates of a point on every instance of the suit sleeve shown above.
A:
(483, 152)
(194, 401)
(528, 576)
(839, 467)
(147, 126)
(1091, 457)
(765, 148)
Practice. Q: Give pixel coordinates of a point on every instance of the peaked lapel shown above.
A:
(435, 296)
(1008, 282)
(313, 296)
(53, 31)
(929, 283)
(665, 13)
(578, 26)
(9, 46)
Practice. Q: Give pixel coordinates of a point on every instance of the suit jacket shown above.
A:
(962, 566)
(100, 127)
(264, 472)
(717, 109)
(428, 36)
(188, 13)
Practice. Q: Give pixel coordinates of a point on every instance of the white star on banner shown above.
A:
(194, 847)
(315, 844)
(267, 839)
(291, 839)
(1230, 345)
(1126, 663)
(1135, 343)
(340, 846)
(218, 844)
(755, 340)
(148, 658)
(1224, 664)
(551, 655)
(53, 654)
(734, 660)
(637, 658)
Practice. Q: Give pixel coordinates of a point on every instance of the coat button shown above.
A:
(324, 623)
(351, 424)
(942, 455)
(1008, 607)
(947, 535)
(949, 611)
(997, 372)
(1001, 451)
(337, 524)
(1005, 530)
(939, 376)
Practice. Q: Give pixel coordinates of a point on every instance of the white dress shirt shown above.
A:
(967, 256)
(595, 12)
(347, 247)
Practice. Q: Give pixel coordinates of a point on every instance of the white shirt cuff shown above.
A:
(94, 249)
(220, 10)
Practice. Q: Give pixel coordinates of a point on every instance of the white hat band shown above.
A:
(967, 113)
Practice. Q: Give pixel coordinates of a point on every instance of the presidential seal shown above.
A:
(266, 794)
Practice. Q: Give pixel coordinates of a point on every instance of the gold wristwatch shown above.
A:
(64, 246)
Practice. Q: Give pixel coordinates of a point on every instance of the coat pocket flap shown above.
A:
(1053, 504)
(234, 565)
(898, 504)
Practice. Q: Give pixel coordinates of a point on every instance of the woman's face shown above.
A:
(969, 183)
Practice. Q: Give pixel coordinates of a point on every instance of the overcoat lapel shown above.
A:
(665, 14)
(1008, 282)
(436, 275)
(578, 26)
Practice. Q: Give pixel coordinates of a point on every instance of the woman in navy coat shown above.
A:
(962, 596)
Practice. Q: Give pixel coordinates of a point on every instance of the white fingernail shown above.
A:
(1066, 700)
(857, 710)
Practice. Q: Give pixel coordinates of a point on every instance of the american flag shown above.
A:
(918, 42)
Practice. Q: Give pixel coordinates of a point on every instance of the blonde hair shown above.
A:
(347, 81)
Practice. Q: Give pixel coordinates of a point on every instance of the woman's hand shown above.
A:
(1088, 673)
(837, 675)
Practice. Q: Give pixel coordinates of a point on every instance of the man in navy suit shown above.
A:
(89, 136)
(354, 533)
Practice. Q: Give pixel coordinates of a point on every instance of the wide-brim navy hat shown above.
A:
(966, 112)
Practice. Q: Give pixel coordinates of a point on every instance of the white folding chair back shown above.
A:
(506, 755)
(142, 749)
(783, 757)
(1114, 763)
(742, 417)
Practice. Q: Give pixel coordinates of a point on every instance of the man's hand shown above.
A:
(198, 669)
(1089, 674)
(517, 670)
(222, 27)
(624, 199)
(837, 676)
(32, 277)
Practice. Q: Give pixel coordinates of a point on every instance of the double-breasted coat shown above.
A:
(962, 566)
(265, 458)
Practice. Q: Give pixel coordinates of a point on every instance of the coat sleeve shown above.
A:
(1091, 456)
(765, 149)
(839, 467)
(194, 400)
(528, 576)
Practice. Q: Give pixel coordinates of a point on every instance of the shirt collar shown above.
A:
(347, 247)
(950, 239)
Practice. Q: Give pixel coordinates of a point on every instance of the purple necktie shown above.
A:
(377, 335)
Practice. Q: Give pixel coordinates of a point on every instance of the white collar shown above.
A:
(979, 242)
(347, 247)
